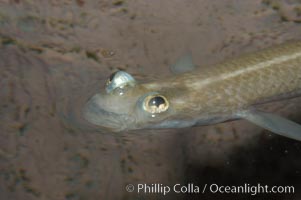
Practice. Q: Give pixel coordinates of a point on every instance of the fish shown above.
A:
(230, 90)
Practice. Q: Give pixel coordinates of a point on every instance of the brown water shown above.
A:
(55, 55)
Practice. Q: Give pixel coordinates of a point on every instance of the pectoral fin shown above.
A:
(183, 64)
(273, 123)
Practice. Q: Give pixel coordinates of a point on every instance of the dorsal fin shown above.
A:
(183, 64)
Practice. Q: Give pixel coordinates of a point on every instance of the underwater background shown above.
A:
(54, 55)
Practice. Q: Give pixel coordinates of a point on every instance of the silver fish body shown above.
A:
(217, 93)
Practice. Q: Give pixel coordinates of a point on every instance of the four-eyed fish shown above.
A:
(222, 92)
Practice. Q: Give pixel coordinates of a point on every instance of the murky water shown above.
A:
(55, 55)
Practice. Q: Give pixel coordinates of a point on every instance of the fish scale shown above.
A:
(243, 79)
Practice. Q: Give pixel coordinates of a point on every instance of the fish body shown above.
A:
(218, 93)
(237, 84)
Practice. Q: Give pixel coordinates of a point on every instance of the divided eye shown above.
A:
(112, 76)
(155, 104)
(119, 79)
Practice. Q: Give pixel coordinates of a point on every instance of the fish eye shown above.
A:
(112, 76)
(119, 79)
(155, 104)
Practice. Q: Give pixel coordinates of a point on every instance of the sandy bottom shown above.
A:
(55, 55)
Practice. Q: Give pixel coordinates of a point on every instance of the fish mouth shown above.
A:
(96, 115)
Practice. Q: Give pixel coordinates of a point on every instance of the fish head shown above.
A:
(127, 105)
